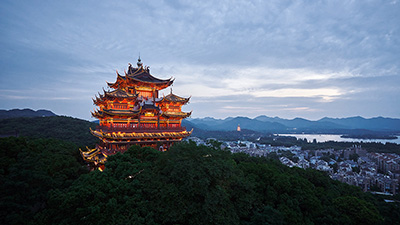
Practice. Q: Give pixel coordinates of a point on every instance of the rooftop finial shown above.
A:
(139, 62)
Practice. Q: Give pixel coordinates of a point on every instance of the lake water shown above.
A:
(336, 137)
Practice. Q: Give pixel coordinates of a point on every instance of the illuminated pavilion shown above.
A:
(133, 113)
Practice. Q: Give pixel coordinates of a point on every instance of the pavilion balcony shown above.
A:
(140, 129)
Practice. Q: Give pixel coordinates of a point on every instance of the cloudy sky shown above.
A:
(290, 59)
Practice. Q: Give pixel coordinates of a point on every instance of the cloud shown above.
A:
(325, 93)
(290, 57)
(260, 82)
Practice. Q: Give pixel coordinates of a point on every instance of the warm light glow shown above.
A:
(149, 114)
(125, 110)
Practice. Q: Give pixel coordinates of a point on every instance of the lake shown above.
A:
(336, 137)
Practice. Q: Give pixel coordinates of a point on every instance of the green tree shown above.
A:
(29, 169)
(195, 183)
(354, 157)
(116, 196)
(355, 169)
(357, 211)
(335, 167)
(189, 184)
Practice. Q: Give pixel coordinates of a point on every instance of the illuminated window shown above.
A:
(149, 114)
(146, 94)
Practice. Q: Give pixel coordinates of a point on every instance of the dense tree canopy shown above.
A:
(29, 169)
(46, 184)
(59, 127)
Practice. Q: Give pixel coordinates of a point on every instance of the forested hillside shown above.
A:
(13, 113)
(29, 169)
(59, 127)
(45, 182)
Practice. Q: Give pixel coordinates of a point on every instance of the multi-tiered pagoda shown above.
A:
(133, 113)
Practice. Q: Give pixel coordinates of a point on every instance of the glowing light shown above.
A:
(121, 107)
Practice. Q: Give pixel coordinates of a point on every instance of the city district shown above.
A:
(375, 172)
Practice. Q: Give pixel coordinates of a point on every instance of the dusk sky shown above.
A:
(290, 59)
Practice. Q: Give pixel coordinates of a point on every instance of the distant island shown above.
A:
(369, 136)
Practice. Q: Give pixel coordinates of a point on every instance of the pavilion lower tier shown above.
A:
(121, 140)
(113, 148)
(109, 147)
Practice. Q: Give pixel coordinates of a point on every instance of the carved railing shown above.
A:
(140, 129)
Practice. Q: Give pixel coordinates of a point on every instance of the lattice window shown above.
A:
(120, 106)
(146, 94)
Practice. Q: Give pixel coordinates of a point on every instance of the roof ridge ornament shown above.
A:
(139, 62)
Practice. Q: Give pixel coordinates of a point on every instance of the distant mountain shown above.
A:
(251, 124)
(300, 123)
(189, 125)
(13, 113)
(225, 135)
(231, 124)
(275, 124)
(376, 123)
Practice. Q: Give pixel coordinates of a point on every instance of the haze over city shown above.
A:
(235, 58)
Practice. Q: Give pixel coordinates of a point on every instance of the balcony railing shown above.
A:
(140, 129)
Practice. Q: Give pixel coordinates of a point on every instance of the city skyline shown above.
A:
(235, 58)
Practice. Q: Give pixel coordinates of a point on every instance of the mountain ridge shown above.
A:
(14, 113)
(276, 124)
(263, 123)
